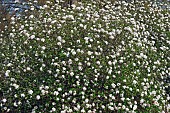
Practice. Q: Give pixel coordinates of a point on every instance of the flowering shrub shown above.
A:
(93, 57)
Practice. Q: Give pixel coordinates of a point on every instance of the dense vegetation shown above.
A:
(90, 57)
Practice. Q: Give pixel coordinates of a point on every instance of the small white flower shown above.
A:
(103, 106)
(81, 25)
(28, 68)
(16, 86)
(98, 62)
(32, 36)
(56, 93)
(124, 80)
(31, 28)
(9, 64)
(59, 89)
(43, 92)
(111, 108)
(42, 39)
(111, 37)
(134, 82)
(86, 100)
(110, 63)
(120, 61)
(32, 8)
(142, 100)
(122, 99)
(45, 6)
(59, 38)
(134, 107)
(71, 74)
(30, 92)
(153, 92)
(88, 63)
(63, 111)
(89, 53)
(19, 103)
(31, 16)
(22, 95)
(38, 97)
(84, 88)
(83, 111)
(15, 104)
(53, 109)
(7, 73)
(73, 53)
(113, 85)
(43, 47)
(4, 100)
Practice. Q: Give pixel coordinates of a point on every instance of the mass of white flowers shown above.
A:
(92, 57)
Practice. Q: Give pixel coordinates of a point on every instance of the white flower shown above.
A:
(142, 100)
(32, 36)
(46, 87)
(30, 92)
(43, 47)
(56, 93)
(15, 104)
(98, 62)
(43, 92)
(73, 52)
(59, 38)
(110, 63)
(86, 100)
(19, 103)
(128, 29)
(71, 74)
(53, 109)
(113, 85)
(16, 86)
(31, 28)
(153, 92)
(28, 68)
(84, 88)
(127, 109)
(32, 8)
(81, 25)
(134, 82)
(12, 18)
(38, 97)
(22, 95)
(156, 103)
(59, 89)
(4, 100)
(120, 61)
(42, 39)
(88, 63)
(89, 53)
(83, 111)
(7, 73)
(45, 6)
(111, 37)
(111, 108)
(31, 16)
(124, 80)
(63, 111)
(134, 107)
(122, 99)
(103, 106)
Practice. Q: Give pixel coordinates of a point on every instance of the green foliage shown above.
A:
(86, 58)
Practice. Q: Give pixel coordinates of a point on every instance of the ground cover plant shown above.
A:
(92, 57)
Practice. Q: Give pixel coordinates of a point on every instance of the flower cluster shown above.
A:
(90, 57)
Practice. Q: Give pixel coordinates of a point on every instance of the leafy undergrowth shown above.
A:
(94, 57)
